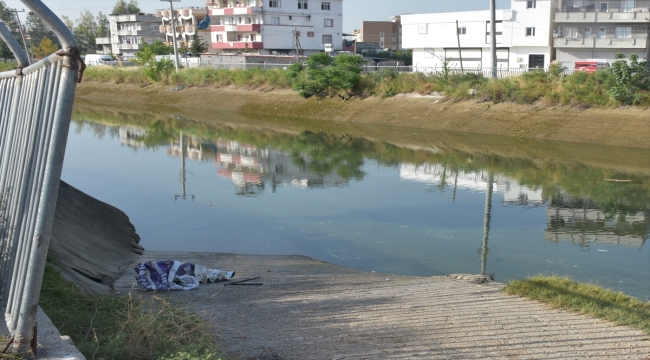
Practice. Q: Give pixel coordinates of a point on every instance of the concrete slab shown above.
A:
(309, 309)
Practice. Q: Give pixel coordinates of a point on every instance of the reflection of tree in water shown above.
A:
(324, 154)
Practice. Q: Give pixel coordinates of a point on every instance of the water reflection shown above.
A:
(411, 203)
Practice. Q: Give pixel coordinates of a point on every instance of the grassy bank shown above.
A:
(550, 89)
(564, 293)
(125, 327)
(6, 66)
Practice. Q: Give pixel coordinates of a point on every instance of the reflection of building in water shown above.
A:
(191, 147)
(132, 136)
(513, 192)
(584, 223)
(252, 169)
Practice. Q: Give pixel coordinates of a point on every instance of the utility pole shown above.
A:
(460, 54)
(173, 23)
(493, 37)
(22, 34)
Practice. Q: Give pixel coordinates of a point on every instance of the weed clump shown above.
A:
(130, 327)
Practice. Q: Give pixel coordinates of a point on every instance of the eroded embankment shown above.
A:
(614, 127)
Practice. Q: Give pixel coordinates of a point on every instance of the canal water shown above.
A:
(366, 204)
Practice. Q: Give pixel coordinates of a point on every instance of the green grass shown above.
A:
(579, 90)
(133, 327)
(6, 66)
(564, 293)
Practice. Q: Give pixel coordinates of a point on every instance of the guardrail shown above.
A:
(35, 109)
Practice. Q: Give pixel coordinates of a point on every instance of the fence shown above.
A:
(35, 109)
(502, 72)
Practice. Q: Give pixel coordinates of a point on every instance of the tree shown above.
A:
(322, 72)
(103, 29)
(45, 48)
(629, 79)
(157, 48)
(153, 69)
(198, 46)
(122, 7)
(38, 30)
(5, 53)
(85, 31)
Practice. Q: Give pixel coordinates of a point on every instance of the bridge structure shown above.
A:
(35, 109)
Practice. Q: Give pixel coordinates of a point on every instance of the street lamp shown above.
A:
(173, 23)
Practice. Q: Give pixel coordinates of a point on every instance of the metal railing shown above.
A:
(35, 109)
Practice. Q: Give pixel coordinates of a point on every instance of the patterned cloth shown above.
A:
(165, 275)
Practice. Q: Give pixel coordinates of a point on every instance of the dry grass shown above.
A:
(133, 327)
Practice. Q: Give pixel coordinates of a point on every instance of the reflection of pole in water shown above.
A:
(486, 221)
(453, 199)
(183, 177)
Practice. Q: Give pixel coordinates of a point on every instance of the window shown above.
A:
(310, 34)
(422, 28)
(381, 35)
(219, 38)
(327, 39)
(217, 21)
(530, 31)
(604, 7)
(232, 20)
(275, 20)
(302, 4)
(462, 30)
(253, 37)
(602, 32)
(587, 33)
(329, 22)
(531, 4)
(239, 37)
(274, 3)
(623, 32)
(627, 6)
(325, 6)
(240, 20)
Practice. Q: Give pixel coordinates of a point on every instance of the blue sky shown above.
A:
(354, 11)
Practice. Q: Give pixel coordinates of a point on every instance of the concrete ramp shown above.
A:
(309, 309)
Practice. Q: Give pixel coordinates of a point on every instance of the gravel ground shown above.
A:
(308, 309)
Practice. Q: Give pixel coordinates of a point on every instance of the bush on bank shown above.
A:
(626, 83)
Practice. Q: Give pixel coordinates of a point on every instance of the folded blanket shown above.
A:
(165, 275)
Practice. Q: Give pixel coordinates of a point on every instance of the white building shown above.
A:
(276, 26)
(524, 36)
(128, 32)
(597, 30)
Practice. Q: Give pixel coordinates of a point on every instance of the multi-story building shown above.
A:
(128, 32)
(276, 26)
(523, 36)
(597, 30)
(186, 21)
(388, 34)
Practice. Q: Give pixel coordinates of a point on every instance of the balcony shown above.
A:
(126, 32)
(128, 46)
(574, 43)
(622, 43)
(237, 45)
(601, 17)
(102, 41)
(189, 29)
(236, 11)
(236, 28)
(600, 43)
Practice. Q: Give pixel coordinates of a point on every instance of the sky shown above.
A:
(354, 11)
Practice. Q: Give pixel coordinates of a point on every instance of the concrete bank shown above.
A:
(309, 309)
(614, 127)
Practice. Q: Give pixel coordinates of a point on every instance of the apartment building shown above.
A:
(187, 22)
(128, 32)
(523, 35)
(388, 34)
(597, 30)
(272, 27)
